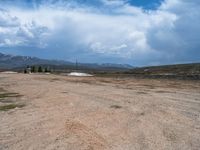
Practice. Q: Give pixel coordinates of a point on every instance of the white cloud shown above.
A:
(178, 40)
(13, 32)
(113, 2)
(6, 20)
(169, 34)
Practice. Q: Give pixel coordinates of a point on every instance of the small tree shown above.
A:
(40, 69)
(46, 69)
(33, 69)
(25, 71)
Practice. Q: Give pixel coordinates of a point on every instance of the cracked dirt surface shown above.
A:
(93, 113)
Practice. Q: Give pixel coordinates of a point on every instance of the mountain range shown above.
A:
(16, 62)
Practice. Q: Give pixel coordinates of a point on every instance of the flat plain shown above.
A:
(52, 112)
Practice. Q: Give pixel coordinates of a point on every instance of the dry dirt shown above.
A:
(90, 113)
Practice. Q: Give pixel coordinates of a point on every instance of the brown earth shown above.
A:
(76, 113)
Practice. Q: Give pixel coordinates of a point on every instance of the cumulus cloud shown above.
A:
(6, 20)
(114, 31)
(14, 33)
(178, 40)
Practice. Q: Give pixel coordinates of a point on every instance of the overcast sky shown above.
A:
(137, 32)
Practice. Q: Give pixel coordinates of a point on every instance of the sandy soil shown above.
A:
(77, 113)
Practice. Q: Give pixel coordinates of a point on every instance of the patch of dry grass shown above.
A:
(6, 95)
(10, 106)
(115, 106)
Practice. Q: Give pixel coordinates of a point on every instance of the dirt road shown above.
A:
(76, 113)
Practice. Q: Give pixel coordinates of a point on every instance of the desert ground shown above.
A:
(52, 112)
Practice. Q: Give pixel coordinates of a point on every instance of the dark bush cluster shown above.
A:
(35, 69)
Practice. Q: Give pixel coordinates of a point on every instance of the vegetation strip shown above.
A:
(5, 95)
(11, 106)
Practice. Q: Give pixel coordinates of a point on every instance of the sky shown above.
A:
(136, 32)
